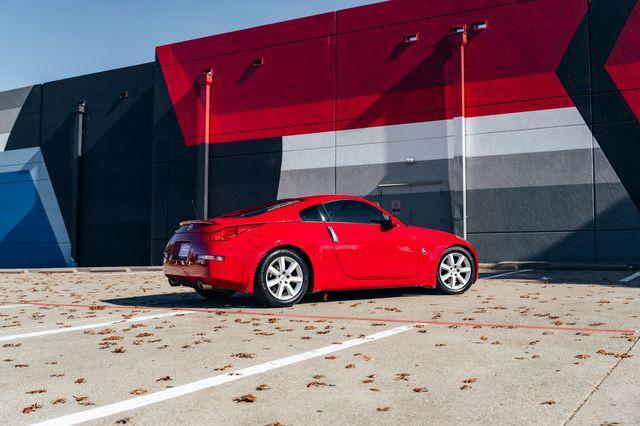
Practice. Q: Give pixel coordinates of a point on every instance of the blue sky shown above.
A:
(44, 40)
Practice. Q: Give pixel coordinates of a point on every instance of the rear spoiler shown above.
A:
(198, 222)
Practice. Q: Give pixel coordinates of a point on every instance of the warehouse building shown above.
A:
(512, 123)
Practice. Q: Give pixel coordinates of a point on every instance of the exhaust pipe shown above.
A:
(174, 282)
(203, 286)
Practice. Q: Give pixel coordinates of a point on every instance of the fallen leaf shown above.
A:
(226, 367)
(36, 391)
(244, 355)
(403, 376)
(59, 401)
(385, 408)
(262, 387)
(30, 409)
(550, 402)
(245, 398)
(316, 384)
(420, 390)
(164, 379)
(138, 392)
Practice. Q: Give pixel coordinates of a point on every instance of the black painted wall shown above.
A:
(115, 170)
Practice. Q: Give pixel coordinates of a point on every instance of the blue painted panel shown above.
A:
(26, 237)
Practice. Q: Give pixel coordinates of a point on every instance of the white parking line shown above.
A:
(506, 273)
(88, 326)
(178, 391)
(13, 306)
(630, 277)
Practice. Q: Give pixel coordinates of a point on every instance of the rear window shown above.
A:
(258, 210)
(311, 214)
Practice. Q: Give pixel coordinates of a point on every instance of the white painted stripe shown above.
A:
(505, 274)
(309, 141)
(424, 149)
(561, 129)
(178, 391)
(88, 326)
(13, 306)
(304, 159)
(551, 139)
(529, 120)
(630, 277)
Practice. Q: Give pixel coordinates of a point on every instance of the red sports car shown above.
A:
(282, 250)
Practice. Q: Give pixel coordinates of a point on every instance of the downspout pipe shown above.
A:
(76, 159)
(458, 40)
(205, 81)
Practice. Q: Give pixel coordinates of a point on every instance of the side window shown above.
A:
(311, 214)
(353, 212)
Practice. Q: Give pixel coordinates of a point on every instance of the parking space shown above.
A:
(521, 346)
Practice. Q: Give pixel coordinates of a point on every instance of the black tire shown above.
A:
(446, 287)
(214, 295)
(261, 289)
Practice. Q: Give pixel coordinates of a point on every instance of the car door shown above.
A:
(365, 249)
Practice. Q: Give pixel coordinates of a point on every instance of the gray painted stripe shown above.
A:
(4, 137)
(14, 98)
(8, 118)
(530, 170)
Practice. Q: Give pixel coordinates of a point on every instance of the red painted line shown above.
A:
(337, 318)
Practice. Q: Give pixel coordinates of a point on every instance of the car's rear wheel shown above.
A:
(282, 278)
(456, 271)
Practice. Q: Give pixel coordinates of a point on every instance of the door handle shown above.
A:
(332, 234)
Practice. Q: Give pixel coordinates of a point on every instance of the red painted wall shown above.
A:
(352, 69)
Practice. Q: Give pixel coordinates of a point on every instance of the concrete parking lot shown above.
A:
(531, 346)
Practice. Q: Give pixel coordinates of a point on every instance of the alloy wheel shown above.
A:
(284, 278)
(455, 271)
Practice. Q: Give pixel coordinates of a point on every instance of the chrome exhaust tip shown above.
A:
(203, 286)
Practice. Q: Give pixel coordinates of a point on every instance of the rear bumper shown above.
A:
(235, 272)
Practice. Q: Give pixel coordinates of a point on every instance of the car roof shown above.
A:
(323, 198)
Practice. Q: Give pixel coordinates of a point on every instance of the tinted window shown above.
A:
(353, 212)
(311, 214)
(257, 210)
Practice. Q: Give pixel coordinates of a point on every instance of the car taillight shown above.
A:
(228, 233)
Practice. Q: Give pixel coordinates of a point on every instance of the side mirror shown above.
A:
(386, 224)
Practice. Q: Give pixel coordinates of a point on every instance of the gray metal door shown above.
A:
(418, 204)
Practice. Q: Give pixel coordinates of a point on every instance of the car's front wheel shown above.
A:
(456, 271)
(282, 278)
